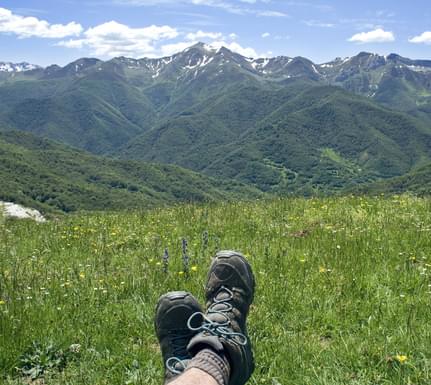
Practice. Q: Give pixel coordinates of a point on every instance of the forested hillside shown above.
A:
(52, 177)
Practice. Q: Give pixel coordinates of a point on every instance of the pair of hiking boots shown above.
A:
(183, 329)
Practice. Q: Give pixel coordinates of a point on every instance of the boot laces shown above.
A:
(177, 363)
(221, 329)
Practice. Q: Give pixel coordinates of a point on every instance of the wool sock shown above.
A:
(215, 364)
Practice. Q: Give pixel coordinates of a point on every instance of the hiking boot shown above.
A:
(229, 294)
(172, 313)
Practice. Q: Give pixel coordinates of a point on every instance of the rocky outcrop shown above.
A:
(13, 210)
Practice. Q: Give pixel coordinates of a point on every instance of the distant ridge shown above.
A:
(52, 177)
(283, 125)
(366, 59)
(17, 67)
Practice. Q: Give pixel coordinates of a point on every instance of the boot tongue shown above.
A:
(219, 307)
(222, 295)
(219, 318)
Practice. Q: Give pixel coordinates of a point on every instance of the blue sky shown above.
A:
(59, 31)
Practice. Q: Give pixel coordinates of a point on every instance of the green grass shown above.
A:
(343, 289)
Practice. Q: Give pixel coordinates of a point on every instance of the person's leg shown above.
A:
(194, 376)
(220, 347)
(172, 314)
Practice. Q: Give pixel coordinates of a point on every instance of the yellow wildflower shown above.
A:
(194, 268)
(322, 269)
(81, 275)
(2, 302)
(401, 358)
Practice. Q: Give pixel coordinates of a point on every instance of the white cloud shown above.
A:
(152, 3)
(271, 14)
(385, 13)
(376, 36)
(229, 6)
(203, 35)
(315, 23)
(235, 47)
(424, 38)
(170, 49)
(281, 37)
(266, 34)
(29, 26)
(72, 43)
(254, 1)
(115, 39)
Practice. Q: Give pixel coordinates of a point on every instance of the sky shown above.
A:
(59, 31)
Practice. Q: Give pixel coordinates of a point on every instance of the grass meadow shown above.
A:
(343, 290)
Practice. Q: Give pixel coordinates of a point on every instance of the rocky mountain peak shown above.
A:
(17, 67)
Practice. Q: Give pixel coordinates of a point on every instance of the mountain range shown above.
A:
(282, 125)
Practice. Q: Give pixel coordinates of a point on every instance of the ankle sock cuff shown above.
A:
(212, 363)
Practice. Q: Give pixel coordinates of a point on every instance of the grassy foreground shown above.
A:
(343, 290)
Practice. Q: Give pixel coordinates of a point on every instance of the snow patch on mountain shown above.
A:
(260, 64)
(200, 63)
(314, 69)
(418, 68)
(17, 67)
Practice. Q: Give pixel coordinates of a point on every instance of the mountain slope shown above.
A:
(195, 138)
(282, 124)
(122, 98)
(391, 80)
(94, 115)
(47, 175)
(310, 139)
(417, 181)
